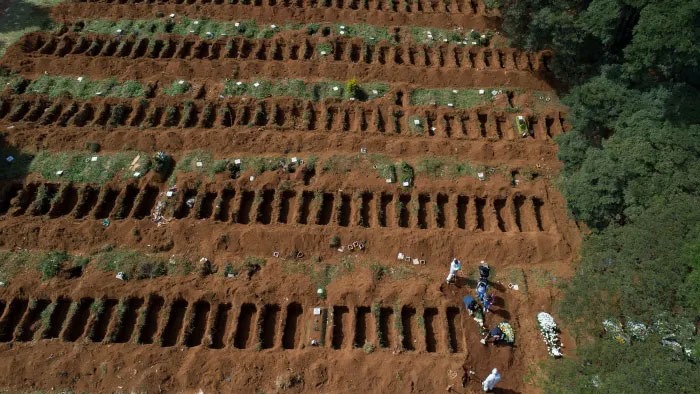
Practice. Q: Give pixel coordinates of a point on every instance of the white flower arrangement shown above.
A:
(550, 333)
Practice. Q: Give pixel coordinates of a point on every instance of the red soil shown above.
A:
(203, 332)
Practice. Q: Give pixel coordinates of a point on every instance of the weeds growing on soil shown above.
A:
(430, 36)
(14, 263)
(447, 168)
(79, 166)
(177, 88)
(84, 88)
(448, 97)
(140, 266)
(45, 317)
(50, 265)
(315, 91)
(210, 29)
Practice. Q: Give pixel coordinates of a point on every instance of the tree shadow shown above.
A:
(21, 17)
(15, 168)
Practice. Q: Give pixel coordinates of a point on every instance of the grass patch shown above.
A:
(14, 263)
(405, 173)
(185, 26)
(417, 124)
(84, 88)
(210, 29)
(23, 17)
(324, 48)
(314, 91)
(11, 81)
(137, 265)
(79, 167)
(258, 165)
(50, 265)
(450, 97)
(321, 274)
(433, 167)
(370, 33)
(177, 88)
(45, 317)
(430, 36)
(192, 160)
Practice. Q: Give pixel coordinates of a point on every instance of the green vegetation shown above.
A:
(177, 88)
(22, 17)
(45, 317)
(137, 265)
(630, 173)
(15, 263)
(258, 165)
(201, 162)
(449, 168)
(405, 174)
(50, 265)
(430, 36)
(315, 91)
(79, 166)
(185, 26)
(84, 88)
(417, 124)
(324, 49)
(464, 98)
(323, 273)
(370, 33)
(210, 29)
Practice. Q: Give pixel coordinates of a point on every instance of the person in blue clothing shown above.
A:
(481, 288)
(494, 335)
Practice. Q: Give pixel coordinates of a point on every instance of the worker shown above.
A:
(502, 333)
(487, 301)
(481, 288)
(484, 272)
(490, 382)
(494, 335)
(471, 305)
(455, 266)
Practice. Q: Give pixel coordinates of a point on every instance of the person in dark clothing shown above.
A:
(471, 305)
(484, 272)
(494, 335)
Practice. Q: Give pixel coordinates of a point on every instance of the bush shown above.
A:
(171, 115)
(406, 173)
(51, 264)
(352, 88)
(163, 163)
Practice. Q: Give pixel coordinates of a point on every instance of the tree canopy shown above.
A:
(631, 173)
